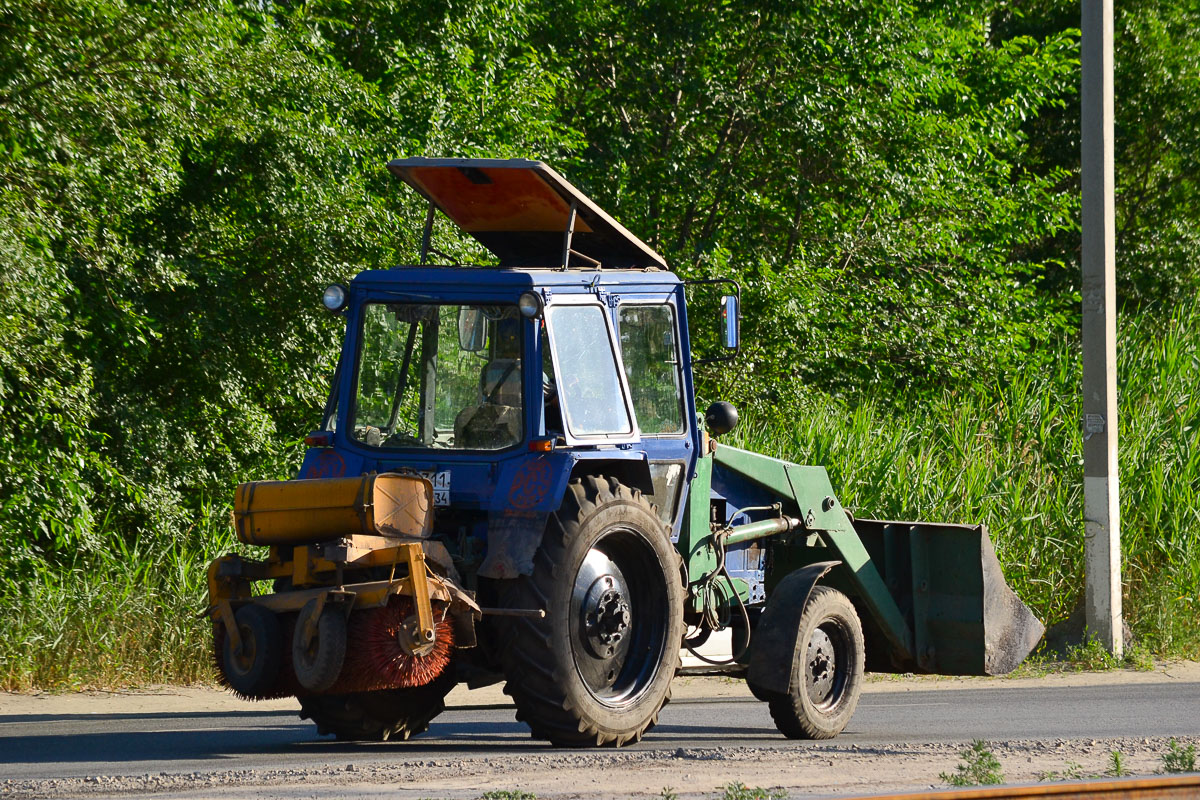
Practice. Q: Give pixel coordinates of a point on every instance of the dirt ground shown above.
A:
(827, 769)
(166, 699)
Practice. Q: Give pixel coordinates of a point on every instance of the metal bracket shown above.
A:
(338, 597)
(427, 234)
(568, 235)
(415, 557)
(231, 629)
(311, 624)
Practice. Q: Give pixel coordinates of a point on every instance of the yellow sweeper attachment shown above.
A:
(306, 511)
(363, 599)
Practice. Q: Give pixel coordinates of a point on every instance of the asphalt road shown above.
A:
(37, 746)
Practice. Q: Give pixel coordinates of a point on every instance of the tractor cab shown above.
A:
(570, 355)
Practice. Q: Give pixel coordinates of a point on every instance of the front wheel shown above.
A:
(598, 668)
(827, 674)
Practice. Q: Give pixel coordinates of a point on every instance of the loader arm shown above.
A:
(932, 593)
(809, 488)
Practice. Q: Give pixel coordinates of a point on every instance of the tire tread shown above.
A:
(539, 694)
(791, 712)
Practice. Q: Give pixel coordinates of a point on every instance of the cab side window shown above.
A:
(589, 383)
(650, 353)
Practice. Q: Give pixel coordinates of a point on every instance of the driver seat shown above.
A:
(496, 421)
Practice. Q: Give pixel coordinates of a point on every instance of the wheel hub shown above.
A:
(618, 618)
(606, 616)
(409, 640)
(820, 667)
(243, 660)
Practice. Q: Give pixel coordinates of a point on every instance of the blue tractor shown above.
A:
(512, 482)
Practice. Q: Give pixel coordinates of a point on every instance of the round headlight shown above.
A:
(335, 297)
(530, 304)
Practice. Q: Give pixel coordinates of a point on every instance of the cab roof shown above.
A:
(520, 210)
(442, 281)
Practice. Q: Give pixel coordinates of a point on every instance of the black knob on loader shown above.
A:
(721, 417)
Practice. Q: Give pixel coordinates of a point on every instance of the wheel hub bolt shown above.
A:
(612, 617)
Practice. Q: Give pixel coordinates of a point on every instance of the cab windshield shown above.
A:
(439, 376)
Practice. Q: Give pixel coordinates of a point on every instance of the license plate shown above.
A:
(441, 486)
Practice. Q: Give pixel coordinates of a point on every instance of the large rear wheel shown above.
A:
(598, 668)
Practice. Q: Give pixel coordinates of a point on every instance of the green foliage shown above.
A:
(1116, 765)
(122, 616)
(1179, 758)
(893, 184)
(871, 251)
(1158, 136)
(1011, 458)
(1138, 657)
(1091, 656)
(507, 794)
(740, 791)
(979, 767)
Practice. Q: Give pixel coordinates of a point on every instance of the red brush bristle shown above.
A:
(374, 657)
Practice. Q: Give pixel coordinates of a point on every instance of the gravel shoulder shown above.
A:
(829, 770)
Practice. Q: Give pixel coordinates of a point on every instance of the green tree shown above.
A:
(858, 166)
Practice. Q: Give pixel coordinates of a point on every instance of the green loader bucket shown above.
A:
(947, 582)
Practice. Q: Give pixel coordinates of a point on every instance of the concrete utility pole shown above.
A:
(1101, 508)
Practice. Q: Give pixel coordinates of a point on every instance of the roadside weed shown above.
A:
(1179, 758)
(980, 767)
(740, 791)
(1139, 657)
(507, 794)
(1036, 665)
(1091, 656)
(1116, 765)
(1073, 771)
(668, 793)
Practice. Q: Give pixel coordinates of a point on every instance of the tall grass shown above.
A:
(1008, 456)
(1011, 457)
(125, 616)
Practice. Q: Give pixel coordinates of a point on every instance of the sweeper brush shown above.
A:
(383, 653)
(380, 653)
(357, 607)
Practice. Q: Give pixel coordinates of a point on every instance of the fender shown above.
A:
(531, 489)
(633, 472)
(774, 647)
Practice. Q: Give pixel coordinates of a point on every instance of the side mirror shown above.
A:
(472, 330)
(721, 418)
(731, 322)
